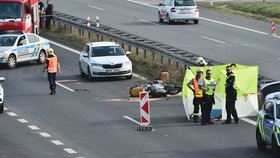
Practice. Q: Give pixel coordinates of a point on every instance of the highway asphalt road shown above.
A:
(89, 119)
(222, 37)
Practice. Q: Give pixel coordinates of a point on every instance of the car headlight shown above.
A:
(128, 63)
(95, 64)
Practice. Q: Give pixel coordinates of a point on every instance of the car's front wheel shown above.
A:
(129, 77)
(2, 107)
(41, 57)
(276, 148)
(90, 78)
(12, 61)
(195, 21)
(169, 20)
(260, 143)
(159, 18)
(81, 70)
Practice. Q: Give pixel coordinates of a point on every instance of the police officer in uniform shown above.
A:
(49, 13)
(194, 85)
(208, 98)
(52, 65)
(41, 12)
(231, 96)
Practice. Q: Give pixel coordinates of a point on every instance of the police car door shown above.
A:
(268, 120)
(33, 46)
(22, 48)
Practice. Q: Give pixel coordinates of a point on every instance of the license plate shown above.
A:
(112, 70)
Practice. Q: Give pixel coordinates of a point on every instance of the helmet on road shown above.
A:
(199, 70)
(200, 61)
(50, 51)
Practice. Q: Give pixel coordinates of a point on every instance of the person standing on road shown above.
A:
(231, 96)
(49, 13)
(52, 65)
(208, 98)
(194, 85)
(41, 12)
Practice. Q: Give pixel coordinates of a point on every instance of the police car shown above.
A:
(15, 48)
(268, 125)
(1, 96)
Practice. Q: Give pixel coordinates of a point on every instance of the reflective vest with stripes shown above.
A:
(234, 84)
(52, 66)
(197, 90)
(210, 86)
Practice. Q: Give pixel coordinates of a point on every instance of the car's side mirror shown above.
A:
(128, 53)
(2, 79)
(269, 117)
(85, 55)
(161, 4)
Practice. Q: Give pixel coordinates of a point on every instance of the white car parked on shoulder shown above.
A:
(1, 96)
(104, 59)
(178, 10)
(16, 48)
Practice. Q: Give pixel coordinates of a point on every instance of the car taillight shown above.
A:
(196, 9)
(173, 9)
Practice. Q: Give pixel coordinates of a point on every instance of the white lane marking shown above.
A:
(211, 39)
(214, 21)
(139, 76)
(12, 114)
(132, 120)
(145, 4)
(95, 7)
(34, 128)
(249, 121)
(149, 22)
(61, 85)
(70, 151)
(43, 134)
(5, 108)
(22, 120)
(65, 47)
(57, 142)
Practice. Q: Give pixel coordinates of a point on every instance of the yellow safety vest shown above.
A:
(210, 86)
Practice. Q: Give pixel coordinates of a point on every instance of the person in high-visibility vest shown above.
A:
(231, 96)
(208, 98)
(194, 85)
(52, 65)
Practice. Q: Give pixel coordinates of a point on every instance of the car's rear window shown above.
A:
(6, 41)
(271, 89)
(107, 51)
(184, 3)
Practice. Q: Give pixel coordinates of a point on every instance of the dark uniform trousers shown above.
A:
(196, 103)
(206, 108)
(52, 79)
(230, 105)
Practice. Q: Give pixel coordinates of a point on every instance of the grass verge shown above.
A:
(256, 10)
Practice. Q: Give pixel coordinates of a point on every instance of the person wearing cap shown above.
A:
(194, 84)
(231, 96)
(52, 65)
(208, 98)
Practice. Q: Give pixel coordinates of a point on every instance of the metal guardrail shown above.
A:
(178, 55)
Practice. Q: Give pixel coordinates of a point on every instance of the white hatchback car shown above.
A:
(1, 96)
(104, 59)
(16, 48)
(178, 10)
